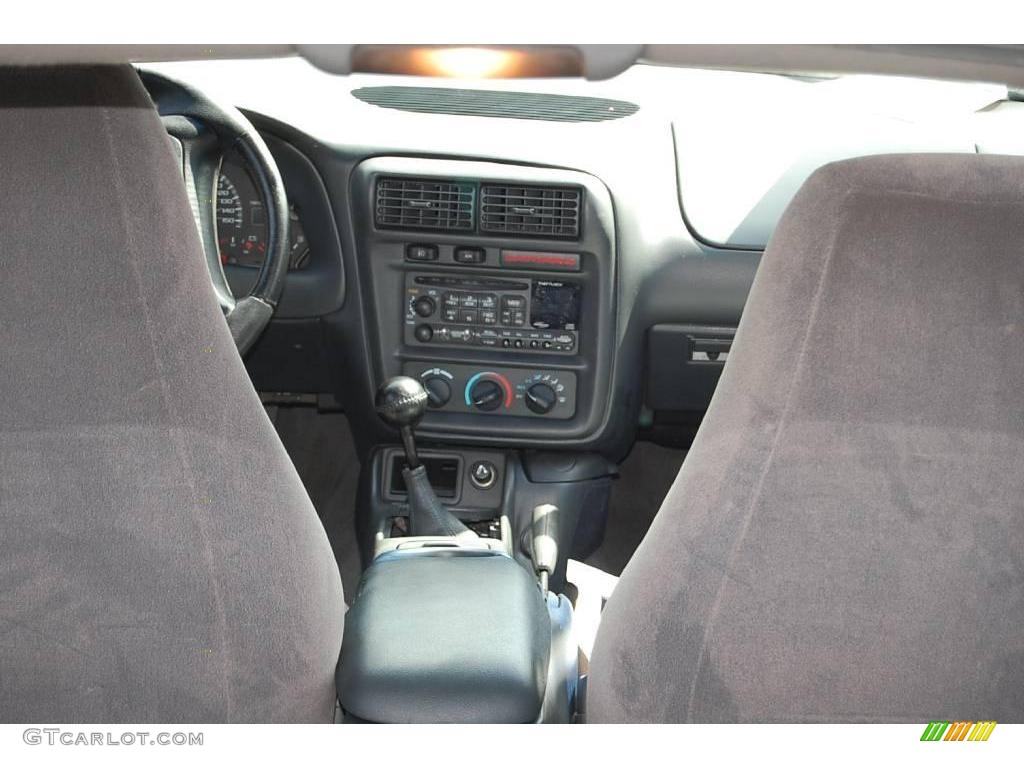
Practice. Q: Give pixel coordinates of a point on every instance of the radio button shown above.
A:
(488, 301)
(513, 302)
(451, 314)
(424, 306)
(488, 317)
(518, 318)
(468, 316)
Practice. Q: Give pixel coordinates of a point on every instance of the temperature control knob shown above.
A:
(487, 395)
(439, 391)
(540, 398)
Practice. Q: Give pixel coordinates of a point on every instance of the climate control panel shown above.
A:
(497, 391)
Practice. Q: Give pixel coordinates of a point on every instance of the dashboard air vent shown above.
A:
(563, 108)
(403, 203)
(530, 211)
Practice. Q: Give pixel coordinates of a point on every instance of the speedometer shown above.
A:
(242, 229)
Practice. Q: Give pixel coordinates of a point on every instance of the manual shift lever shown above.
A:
(401, 402)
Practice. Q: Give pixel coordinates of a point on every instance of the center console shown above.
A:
(445, 635)
(488, 295)
(447, 626)
(493, 285)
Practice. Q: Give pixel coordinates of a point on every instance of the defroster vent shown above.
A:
(558, 107)
(424, 204)
(530, 211)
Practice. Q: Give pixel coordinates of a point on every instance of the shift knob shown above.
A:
(401, 402)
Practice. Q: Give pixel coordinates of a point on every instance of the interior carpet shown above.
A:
(321, 448)
(644, 479)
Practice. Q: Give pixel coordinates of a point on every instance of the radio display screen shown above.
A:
(555, 305)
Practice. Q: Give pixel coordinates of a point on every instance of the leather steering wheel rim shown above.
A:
(206, 132)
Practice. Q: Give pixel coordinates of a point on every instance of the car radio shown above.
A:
(523, 314)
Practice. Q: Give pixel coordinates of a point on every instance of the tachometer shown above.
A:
(242, 229)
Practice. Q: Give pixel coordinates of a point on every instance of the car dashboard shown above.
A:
(513, 253)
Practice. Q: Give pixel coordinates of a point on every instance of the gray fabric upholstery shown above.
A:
(845, 540)
(159, 558)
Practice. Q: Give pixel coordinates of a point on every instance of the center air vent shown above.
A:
(424, 204)
(530, 211)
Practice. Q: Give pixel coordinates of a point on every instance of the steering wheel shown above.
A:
(205, 132)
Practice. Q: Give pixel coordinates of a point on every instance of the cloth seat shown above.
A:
(845, 539)
(160, 560)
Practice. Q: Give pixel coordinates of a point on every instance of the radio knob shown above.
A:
(439, 392)
(424, 306)
(423, 333)
(540, 398)
(486, 395)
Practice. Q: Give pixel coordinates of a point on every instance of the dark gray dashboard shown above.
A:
(657, 272)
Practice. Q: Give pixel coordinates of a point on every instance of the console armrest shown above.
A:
(445, 636)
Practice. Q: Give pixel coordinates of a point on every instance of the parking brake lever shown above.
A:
(544, 545)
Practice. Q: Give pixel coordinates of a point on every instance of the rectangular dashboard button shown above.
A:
(421, 252)
(470, 255)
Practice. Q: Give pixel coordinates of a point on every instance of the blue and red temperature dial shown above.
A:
(488, 391)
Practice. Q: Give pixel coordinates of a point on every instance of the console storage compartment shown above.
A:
(445, 635)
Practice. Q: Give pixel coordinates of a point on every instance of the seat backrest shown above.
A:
(160, 560)
(845, 540)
